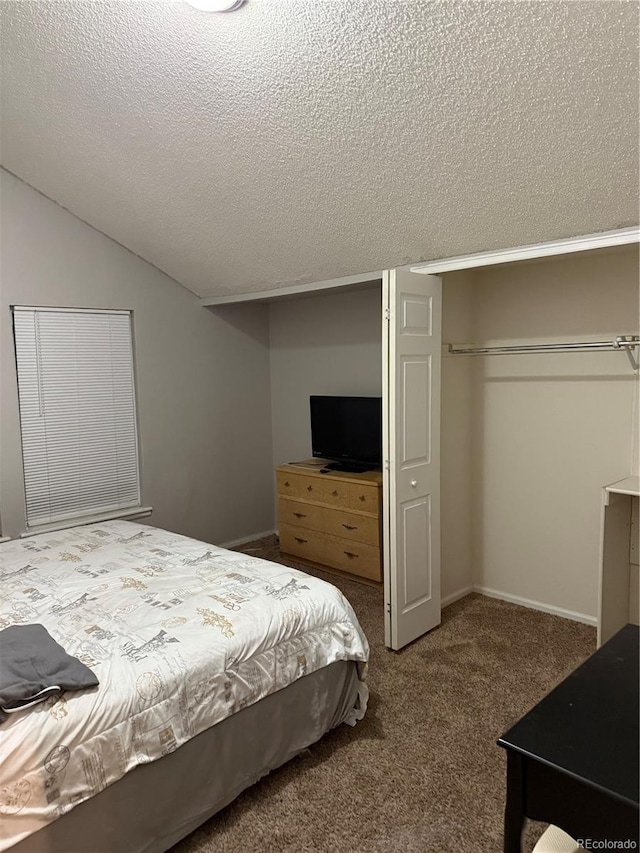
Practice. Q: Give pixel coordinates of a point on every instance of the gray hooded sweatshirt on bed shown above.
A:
(33, 667)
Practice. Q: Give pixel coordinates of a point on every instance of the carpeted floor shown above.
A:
(422, 772)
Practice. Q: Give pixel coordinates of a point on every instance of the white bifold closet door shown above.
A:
(77, 412)
(412, 340)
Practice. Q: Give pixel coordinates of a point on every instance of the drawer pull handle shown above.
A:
(351, 555)
(298, 539)
(299, 515)
(361, 498)
(309, 488)
(335, 493)
(349, 527)
(287, 483)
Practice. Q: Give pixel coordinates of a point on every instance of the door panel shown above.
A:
(416, 522)
(411, 437)
(416, 438)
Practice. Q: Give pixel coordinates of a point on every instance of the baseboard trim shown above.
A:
(462, 593)
(455, 596)
(244, 539)
(537, 605)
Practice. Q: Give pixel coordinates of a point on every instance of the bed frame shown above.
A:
(154, 806)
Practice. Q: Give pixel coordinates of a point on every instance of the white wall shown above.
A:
(202, 377)
(328, 344)
(550, 430)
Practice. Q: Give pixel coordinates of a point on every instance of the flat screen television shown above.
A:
(348, 431)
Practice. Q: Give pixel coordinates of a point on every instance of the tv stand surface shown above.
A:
(349, 467)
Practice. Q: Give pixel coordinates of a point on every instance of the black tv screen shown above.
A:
(347, 430)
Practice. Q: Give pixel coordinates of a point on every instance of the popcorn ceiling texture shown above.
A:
(295, 140)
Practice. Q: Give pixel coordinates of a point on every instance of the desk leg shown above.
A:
(514, 814)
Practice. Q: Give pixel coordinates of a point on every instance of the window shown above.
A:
(77, 412)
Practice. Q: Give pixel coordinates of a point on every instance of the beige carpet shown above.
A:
(422, 771)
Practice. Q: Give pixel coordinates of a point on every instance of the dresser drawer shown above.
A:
(298, 513)
(308, 544)
(364, 497)
(354, 557)
(288, 484)
(335, 493)
(351, 525)
(310, 488)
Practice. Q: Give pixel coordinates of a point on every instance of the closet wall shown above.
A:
(327, 344)
(548, 431)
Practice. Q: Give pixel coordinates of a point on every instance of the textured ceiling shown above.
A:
(300, 140)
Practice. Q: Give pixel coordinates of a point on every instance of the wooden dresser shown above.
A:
(332, 519)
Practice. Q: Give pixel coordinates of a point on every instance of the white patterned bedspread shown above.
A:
(181, 634)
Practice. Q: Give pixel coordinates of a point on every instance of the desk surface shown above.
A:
(587, 727)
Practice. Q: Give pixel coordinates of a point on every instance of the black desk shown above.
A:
(573, 759)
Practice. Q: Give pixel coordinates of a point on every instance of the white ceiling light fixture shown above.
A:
(216, 5)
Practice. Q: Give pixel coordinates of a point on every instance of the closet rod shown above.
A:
(622, 342)
(626, 343)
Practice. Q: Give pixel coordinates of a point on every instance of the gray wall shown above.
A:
(203, 377)
(329, 344)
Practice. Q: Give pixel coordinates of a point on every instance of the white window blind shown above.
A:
(77, 412)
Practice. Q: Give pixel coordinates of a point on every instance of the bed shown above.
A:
(215, 667)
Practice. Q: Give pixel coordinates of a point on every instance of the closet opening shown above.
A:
(534, 428)
(531, 431)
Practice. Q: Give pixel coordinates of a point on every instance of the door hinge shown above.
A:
(387, 313)
(389, 608)
(387, 464)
